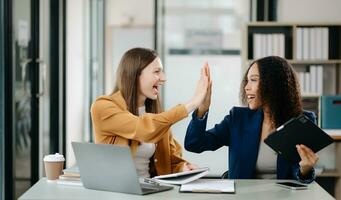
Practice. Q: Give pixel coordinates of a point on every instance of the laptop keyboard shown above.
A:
(149, 187)
(144, 190)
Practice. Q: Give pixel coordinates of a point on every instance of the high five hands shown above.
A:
(205, 104)
(201, 91)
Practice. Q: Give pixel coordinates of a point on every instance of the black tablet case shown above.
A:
(298, 130)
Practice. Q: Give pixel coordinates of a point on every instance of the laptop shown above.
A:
(299, 130)
(111, 168)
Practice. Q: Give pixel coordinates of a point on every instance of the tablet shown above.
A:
(292, 185)
(182, 177)
(298, 130)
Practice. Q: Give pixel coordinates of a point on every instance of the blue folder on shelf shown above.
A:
(331, 112)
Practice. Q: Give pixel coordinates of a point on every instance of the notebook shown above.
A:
(298, 130)
(182, 177)
(111, 168)
(209, 186)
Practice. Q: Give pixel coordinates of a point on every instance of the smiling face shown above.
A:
(252, 88)
(150, 80)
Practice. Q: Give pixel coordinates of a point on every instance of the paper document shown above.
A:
(209, 186)
(182, 177)
(70, 182)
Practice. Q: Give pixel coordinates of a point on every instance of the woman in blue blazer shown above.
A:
(271, 90)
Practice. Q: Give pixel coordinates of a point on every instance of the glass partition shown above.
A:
(95, 60)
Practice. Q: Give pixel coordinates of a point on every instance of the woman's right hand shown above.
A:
(200, 91)
(205, 104)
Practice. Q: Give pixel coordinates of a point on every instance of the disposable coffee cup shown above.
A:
(54, 164)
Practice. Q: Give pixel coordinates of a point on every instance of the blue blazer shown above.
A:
(240, 131)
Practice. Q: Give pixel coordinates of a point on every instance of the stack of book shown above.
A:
(70, 176)
(311, 80)
(312, 43)
(268, 45)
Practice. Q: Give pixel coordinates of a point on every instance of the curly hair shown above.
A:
(278, 89)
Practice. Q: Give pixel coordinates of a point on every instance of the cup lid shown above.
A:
(54, 157)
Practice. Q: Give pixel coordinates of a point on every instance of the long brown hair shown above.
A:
(127, 78)
(278, 88)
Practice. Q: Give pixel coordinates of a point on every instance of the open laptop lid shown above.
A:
(107, 167)
(298, 130)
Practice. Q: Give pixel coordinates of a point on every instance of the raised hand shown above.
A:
(308, 158)
(200, 91)
(204, 106)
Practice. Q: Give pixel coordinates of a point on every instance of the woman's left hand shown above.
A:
(308, 159)
(189, 167)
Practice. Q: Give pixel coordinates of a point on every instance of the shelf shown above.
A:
(315, 62)
(329, 173)
(262, 39)
(267, 33)
(270, 24)
(310, 95)
(310, 62)
(336, 137)
(334, 133)
(199, 10)
(292, 24)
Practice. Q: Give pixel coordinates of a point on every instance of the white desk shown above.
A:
(245, 189)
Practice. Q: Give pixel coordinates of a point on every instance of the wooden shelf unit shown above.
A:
(331, 68)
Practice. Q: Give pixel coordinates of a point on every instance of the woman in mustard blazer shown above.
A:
(132, 114)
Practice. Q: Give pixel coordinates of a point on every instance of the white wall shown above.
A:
(75, 74)
(124, 38)
(121, 12)
(309, 11)
(126, 27)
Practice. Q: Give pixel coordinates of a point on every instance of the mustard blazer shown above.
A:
(114, 124)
